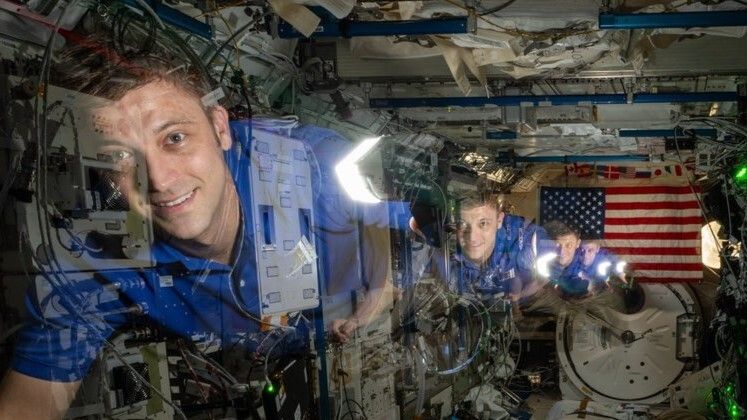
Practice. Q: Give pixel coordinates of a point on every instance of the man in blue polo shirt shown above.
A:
(574, 275)
(600, 265)
(567, 268)
(496, 250)
(204, 279)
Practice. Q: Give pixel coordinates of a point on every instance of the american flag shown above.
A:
(656, 229)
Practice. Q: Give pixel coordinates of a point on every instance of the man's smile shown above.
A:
(176, 203)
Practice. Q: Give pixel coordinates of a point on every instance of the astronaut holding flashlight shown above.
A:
(571, 270)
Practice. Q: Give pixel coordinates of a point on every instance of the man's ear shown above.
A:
(501, 215)
(219, 118)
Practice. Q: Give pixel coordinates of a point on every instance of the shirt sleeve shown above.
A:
(63, 330)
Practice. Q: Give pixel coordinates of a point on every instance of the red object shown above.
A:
(656, 230)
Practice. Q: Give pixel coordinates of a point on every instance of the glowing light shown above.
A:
(543, 264)
(270, 388)
(711, 247)
(603, 268)
(740, 175)
(620, 267)
(350, 176)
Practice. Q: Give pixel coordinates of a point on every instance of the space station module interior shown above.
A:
(341, 209)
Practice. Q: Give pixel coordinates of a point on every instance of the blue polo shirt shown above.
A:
(570, 278)
(71, 319)
(512, 258)
(603, 256)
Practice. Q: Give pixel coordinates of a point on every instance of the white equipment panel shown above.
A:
(283, 218)
(80, 219)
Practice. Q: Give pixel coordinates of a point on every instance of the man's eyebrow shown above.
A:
(168, 124)
(112, 142)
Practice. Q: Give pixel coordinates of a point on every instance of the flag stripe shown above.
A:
(668, 266)
(662, 259)
(657, 279)
(625, 234)
(644, 198)
(682, 275)
(656, 251)
(691, 274)
(654, 243)
(641, 231)
(654, 213)
(652, 220)
(650, 190)
(654, 205)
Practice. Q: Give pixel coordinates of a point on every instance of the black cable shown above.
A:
(198, 381)
(498, 8)
(228, 41)
(123, 20)
(348, 401)
(61, 282)
(697, 196)
(592, 414)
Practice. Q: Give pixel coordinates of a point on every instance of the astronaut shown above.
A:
(600, 265)
(495, 250)
(196, 197)
(566, 269)
(572, 273)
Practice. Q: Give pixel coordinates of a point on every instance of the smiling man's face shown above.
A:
(166, 129)
(566, 246)
(476, 231)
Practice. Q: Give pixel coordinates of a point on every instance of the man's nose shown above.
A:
(161, 171)
(472, 236)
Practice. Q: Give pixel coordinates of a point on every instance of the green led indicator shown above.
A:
(741, 174)
(270, 388)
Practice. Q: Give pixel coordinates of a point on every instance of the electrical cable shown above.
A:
(269, 353)
(198, 382)
(497, 8)
(573, 30)
(701, 205)
(228, 41)
(61, 283)
(348, 400)
(214, 365)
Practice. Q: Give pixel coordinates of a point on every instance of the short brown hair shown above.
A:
(556, 229)
(94, 66)
(480, 198)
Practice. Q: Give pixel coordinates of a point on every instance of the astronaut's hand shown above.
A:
(343, 329)
(516, 312)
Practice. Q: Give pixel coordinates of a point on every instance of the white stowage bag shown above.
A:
(487, 402)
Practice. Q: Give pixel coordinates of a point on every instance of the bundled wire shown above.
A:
(95, 323)
(496, 9)
(348, 401)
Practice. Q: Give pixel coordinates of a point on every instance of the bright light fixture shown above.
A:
(620, 267)
(604, 268)
(711, 246)
(349, 175)
(543, 264)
